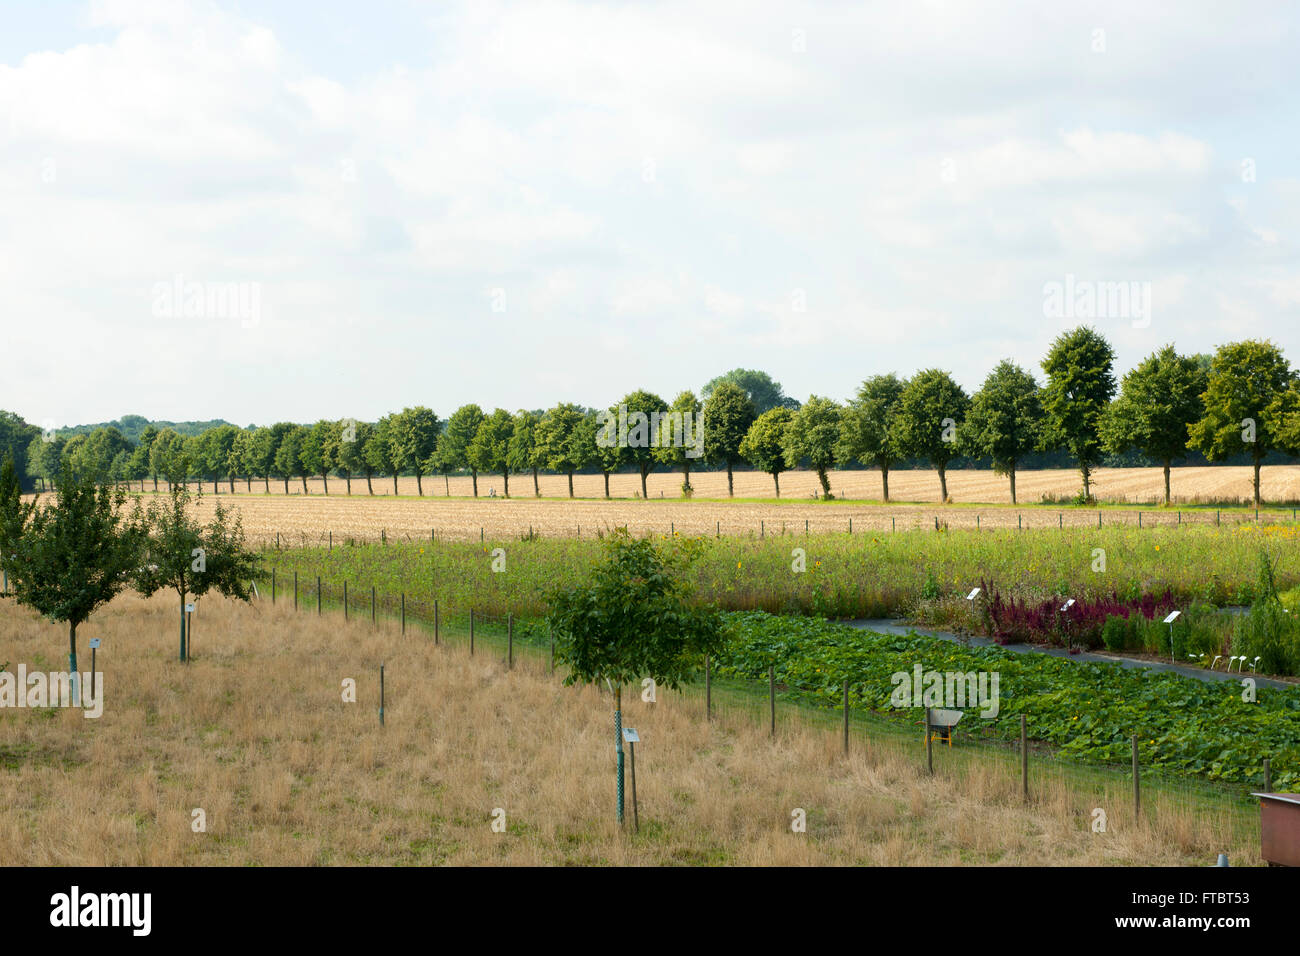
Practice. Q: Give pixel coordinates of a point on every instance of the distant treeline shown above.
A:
(1240, 405)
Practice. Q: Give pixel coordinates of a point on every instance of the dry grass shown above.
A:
(254, 732)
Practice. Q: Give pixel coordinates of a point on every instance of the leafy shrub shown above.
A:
(1267, 631)
(1115, 633)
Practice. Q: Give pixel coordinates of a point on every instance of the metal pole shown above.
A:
(636, 819)
(381, 695)
(618, 740)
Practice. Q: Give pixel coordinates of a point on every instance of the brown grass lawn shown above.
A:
(254, 732)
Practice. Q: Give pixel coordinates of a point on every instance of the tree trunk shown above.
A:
(505, 479)
(1257, 464)
(394, 482)
(286, 486)
(232, 485)
(184, 649)
(826, 483)
(325, 480)
(606, 474)
(370, 487)
(1086, 472)
(304, 484)
(1012, 476)
(419, 484)
(644, 472)
(266, 481)
(72, 653)
(348, 479)
(686, 477)
(1166, 484)
(943, 484)
(884, 481)
(446, 484)
(155, 483)
(474, 478)
(776, 479)
(248, 483)
(537, 486)
(730, 488)
(214, 485)
(570, 484)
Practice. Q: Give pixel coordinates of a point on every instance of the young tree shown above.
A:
(1004, 420)
(165, 453)
(218, 445)
(639, 450)
(380, 450)
(559, 444)
(867, 427)
(1080, 382)
(415, 436)
(634, 618)
(764, 444)
(1158, 401)
(72, 555)
(682, 425)
(140, 457)
(191, 558)
(351, 457)
(453, 446)
(728, 413)
(288, 457)
(1244, 382)
(43, 457)
(930, 409)
(490, 449)
(319, 447)
(812, 434)
(16, 437)
(523, 453)
(762, 391)
(591, 440)
(241, 457)
(265, 444)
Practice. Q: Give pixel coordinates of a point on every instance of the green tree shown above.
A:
(288, 457)
(867, 426)
(319, 448)
(523, 453)
(218, 448)
(728, 413)
(638, 446)
(453, 446)
(165, 453)
(191, 558)
(930, 409)
(559, 441)
(16, 437)
(351, 457)
(1080, 383)
(592, 440)
(261, 452)
(139, 466)
(678, 449)
(415, 437)
(634, 618)
(73, 554)
(1245, 381)
(1004, 420)
(764, 444)
(812, 435)
(762, 391)
(1158, 401)
(380, 450)
(43, 457)
(490, 450)
(241, 456)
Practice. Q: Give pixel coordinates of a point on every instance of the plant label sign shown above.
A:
(1172, 617)
(94, 643)
(629, 735)
(971, 596)
(1067, 605)
(189, 608)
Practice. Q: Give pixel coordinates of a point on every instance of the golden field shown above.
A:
(254, 732)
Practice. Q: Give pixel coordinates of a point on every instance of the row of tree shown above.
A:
(1243, 400)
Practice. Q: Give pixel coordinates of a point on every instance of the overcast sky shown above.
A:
(519, 204)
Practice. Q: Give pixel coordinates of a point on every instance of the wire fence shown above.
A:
(976, 758)
(874, 522)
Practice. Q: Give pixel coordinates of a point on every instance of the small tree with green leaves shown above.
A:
(453, 445)
(866, 428)
(929, 412)
(1080, 382)
(813, 434)
(191, 558)
(70, 556)
(678, 450)
(560, 444)
(524, 454)
(764, 444)
(1245, 381)
(1004, 420)
(490, 450)
(1158, 401)
(728, 413)
(634, 619)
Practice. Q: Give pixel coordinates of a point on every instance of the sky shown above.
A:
(301, 211)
